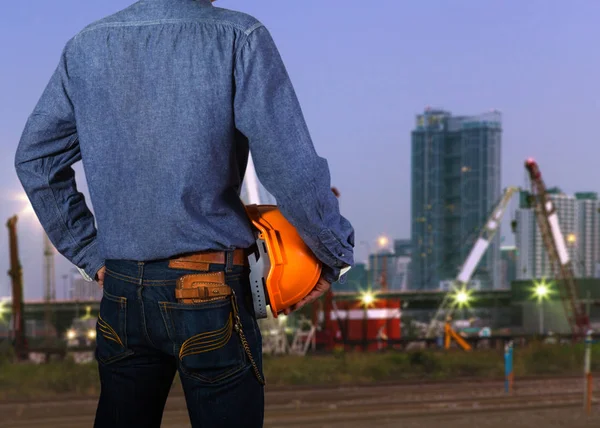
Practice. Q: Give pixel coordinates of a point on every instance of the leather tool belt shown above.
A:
(201, 261)
(202, 287)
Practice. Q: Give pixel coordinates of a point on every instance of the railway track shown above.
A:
(418, 391)
(357, 406)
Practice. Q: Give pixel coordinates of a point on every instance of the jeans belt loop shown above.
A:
(228, 261)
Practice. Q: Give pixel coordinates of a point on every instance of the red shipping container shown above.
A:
(375, 323)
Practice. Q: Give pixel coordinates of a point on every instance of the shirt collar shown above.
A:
(202, 2)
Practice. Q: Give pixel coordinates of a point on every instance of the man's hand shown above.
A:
(320, 289)
(100, 276)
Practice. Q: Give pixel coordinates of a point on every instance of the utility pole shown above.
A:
(49, 288)
(16, 275)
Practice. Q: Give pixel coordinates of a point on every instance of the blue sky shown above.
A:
(362, 71)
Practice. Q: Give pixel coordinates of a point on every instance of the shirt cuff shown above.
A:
(90, 263)
(332, 274)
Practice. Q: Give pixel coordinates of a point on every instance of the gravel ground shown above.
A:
(560, 418)
(351, 408)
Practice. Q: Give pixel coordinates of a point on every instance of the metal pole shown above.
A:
(587, 393)
(541, 308)
(587, 303)
(508, 367)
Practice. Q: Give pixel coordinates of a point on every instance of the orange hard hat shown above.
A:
(283, 270)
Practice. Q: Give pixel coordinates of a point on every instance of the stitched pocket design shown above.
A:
(111, 327)
(206, 342)
(108, 332)
(208, 348)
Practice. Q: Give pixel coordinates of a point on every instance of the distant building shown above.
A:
(455, 184)
(579, 220)
(82, 289)
(403, 247)
(396, 269)
(355, 280)
(525, 238)
(587, 235)
(508, 257)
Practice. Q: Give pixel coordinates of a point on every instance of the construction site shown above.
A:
(365, 317)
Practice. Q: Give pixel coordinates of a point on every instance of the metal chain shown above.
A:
(240, 332)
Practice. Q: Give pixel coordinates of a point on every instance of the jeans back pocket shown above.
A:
(111, 329)
(207, 345)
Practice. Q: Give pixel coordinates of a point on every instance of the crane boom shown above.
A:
(481, 245)
(554, 243)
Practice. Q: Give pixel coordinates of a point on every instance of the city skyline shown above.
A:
(579, 220)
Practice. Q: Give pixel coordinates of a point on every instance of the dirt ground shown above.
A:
(358, 407)
(558, 418)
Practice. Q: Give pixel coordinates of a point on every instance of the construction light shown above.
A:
(3, 309)
(571, 238)
(71, 334)
(462, 297)
(367, 298)
(383, 241)
(541, 290)
(91, 334)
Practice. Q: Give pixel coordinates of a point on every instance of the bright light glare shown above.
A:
(91, 334)
(383, 241)
(541, 290)
(71, 334)
(3, 309)
(571, 238)
(462, 297)
(27, 209)
(367, 298)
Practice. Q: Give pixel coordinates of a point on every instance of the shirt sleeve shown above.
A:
(268, 113)
(46, 152)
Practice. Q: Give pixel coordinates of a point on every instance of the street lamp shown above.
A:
(541, 291)
(367, 298)
(383, 242)
(462, 297)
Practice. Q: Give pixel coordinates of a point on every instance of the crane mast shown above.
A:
(554, 242)
(481, 245)
(16, 275)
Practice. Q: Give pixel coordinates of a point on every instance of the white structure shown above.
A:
(587, 235)
(253, 192)
(83, 290)
(579, 221)
(526, 235)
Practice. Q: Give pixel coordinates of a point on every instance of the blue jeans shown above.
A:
(140, 333)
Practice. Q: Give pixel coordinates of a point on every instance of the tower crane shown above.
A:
(560, 262)
(482, 243)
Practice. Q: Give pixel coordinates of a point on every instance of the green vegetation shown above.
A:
(22, 381)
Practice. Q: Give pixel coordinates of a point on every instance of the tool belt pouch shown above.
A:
(202, 287)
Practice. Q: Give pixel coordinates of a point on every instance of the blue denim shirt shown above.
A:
(162, 102)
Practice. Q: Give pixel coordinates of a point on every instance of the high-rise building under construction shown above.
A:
(455, 176)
